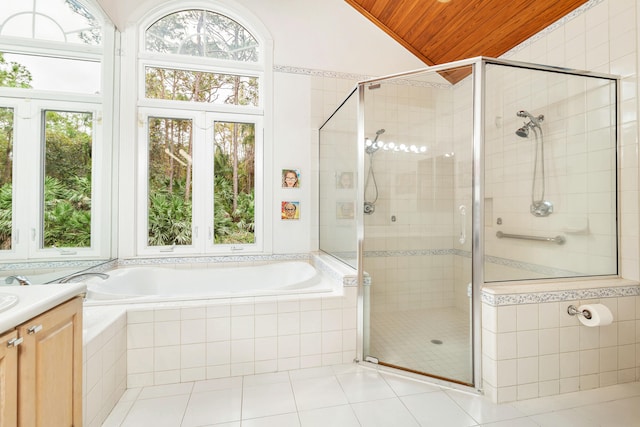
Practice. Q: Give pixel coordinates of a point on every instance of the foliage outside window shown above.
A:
(234, 183)
(198, 86)
(202, 33)
(67, 180)
(170, 175)
(6, 176)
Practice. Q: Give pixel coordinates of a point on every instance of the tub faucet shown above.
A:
(73, 277)
(22, 280)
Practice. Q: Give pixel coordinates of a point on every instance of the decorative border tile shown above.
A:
(39, 265)
(357, 77)
(562, 295)
(535, 268)
(350, 278)
(520, 265)
(212, 259)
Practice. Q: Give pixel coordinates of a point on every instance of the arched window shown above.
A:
(54, 135)
(202, 145)
(202, 33)
(65, 21)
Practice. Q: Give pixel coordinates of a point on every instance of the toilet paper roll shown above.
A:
(600, 315)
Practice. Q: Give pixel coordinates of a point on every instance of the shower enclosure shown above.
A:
(477, 171)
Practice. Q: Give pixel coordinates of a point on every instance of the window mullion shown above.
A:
(199, 192)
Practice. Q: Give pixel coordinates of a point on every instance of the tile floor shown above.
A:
(435, 341)
(355, 395)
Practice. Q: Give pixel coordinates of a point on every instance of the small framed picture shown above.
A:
(345, 210)
(290, 178)
(344, 179)
(289, 210)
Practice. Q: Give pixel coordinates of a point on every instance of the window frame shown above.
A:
(202, 192)
(261, 116)
(28, 176)
(28, 164)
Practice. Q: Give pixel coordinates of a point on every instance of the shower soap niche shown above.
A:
(576, 225)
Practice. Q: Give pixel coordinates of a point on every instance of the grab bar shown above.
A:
(558, 239)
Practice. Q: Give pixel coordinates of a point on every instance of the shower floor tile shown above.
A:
(432, 341)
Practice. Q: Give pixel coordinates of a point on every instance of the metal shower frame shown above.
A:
(478, 65)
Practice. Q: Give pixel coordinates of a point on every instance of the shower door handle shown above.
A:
(463, 228)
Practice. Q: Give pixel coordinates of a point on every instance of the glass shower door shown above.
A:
(417, 226)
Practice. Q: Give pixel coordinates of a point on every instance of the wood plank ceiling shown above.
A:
(441, 31)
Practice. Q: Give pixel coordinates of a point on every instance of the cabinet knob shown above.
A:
(34, 329)
(14, 342)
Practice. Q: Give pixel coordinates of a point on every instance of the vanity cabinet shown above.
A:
(48, 363)
(9, 379)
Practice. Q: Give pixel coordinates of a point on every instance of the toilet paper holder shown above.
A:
(573, 311)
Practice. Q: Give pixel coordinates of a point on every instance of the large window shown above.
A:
(54, 145)
(202, 145)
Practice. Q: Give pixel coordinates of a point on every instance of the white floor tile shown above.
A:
(217, 384)
(482, 409)
(270, 378)
(213, 407)
(267, 399)
(118, 414)
(353, 395)
(301, 374)
(386, 412)
(316, 393)
(520, 422)
(437, 409)
(365, 385)
(334, 416)
(619, 413)
(285, 420)
(565, 417)
(152, 392)
(406, 386)
(159, 412)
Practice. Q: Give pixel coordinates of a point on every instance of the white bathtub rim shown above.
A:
(97, 319)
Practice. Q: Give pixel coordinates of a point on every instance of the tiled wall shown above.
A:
(104, 364)
(239, 336)
(411, 280)
(570, 162)
(531, 346)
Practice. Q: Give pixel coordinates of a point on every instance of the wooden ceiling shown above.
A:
(441, 31)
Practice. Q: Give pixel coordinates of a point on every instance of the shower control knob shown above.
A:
(369, 208)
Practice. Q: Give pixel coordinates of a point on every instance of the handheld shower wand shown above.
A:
(539, 206)
(370, 148)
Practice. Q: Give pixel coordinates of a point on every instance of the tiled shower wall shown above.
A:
(602, 36)
(578, 170)
(417, 281)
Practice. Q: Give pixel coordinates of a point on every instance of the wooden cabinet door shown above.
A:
(9, 379)
(50, 368)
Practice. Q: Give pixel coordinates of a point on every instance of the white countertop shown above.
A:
(34, 300)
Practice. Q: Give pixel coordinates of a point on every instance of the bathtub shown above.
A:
(156, 283)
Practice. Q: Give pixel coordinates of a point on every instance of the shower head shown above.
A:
(523, 132)
(534, 122)
(373, 146)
